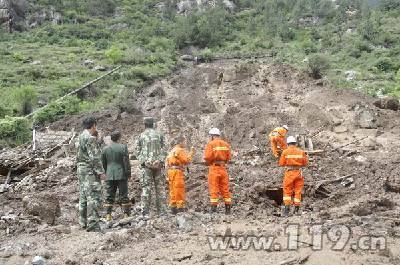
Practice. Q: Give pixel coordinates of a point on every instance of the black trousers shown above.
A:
(111, 190)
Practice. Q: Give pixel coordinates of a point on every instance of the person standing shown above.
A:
(217, 154)
(90, 173)
(277, 140)
(293, 159)
(115, 158)
(177, 160)
(150, 151)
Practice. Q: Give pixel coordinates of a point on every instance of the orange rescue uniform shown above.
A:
(277, 139)
(216, 155)
(177, 159)
(293, 158)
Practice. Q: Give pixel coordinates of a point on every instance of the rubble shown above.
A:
(351, 181)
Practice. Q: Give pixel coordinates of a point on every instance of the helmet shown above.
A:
(214, 131)
(291, 140)
(285, 127)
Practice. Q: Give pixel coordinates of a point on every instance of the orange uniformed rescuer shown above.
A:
(277, 139)
(293, 158)
(217, 154)
(177, 160)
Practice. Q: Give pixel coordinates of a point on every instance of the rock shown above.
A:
(365, 117)
(187, 57)
(387, 103)
(38, 260)
(100, 68)
(340, 129)
(3, 188)
(183, 224)
(88, 62)
(157, 92)
(350, 75)
(45, 206)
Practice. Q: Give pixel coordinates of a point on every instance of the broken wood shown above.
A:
(296, 260)
(352, 142)
(314, 152)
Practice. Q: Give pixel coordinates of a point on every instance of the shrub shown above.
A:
(114, 54)
(317, 65)
(385, 65)
(206, 55)
(26, 98)
(58, 109)
(14, 131)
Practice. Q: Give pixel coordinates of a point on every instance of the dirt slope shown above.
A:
(245, 100)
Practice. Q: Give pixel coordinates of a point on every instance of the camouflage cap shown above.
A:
(148, 120)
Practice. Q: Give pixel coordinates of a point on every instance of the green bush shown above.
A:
(114, 54)
(207, 55)
(317, 65)
(58, 109)
(385, 65)
(26, 98)
(14, 131)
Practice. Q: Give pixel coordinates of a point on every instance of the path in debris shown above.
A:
(245, 100)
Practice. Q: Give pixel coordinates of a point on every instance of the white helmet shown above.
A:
(291, 140)
(285, 127)
(214, 131)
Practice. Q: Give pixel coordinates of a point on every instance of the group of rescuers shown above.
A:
(112, 166)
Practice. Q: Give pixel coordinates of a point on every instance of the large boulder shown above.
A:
(45, 206)
(365, 117)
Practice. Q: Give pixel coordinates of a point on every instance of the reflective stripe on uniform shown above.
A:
(287, 198)
(213, 200)
(220, 148)
(297, 200)
(227, 199)
(294, 156)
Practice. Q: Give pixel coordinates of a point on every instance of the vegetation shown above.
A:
(322, 37)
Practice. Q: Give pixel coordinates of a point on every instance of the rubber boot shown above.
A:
(297, 211)
(227, 209)
(285, 211)
(213, 208)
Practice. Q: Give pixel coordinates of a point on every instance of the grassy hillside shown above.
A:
(40, 64)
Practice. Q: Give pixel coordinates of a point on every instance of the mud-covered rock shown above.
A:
(45, 206)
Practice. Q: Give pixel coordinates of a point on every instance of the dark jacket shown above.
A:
(116, 163)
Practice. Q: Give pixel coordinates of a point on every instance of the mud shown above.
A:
(245, 100)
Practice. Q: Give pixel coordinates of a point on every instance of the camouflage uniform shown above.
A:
(89, 168)
(150, 148)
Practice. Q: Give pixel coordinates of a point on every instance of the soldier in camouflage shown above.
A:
(90, 173)
(151, 153)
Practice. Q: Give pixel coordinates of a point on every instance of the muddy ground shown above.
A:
(245, 100)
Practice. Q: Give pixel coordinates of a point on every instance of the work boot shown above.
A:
(227, 209)
(213, 208)
(174, 210)
(108, 217)
(285, 211)
(297, 211)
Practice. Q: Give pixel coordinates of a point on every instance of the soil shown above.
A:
(246, 100)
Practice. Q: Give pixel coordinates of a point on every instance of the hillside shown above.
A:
(246, 99)
(56, 46)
